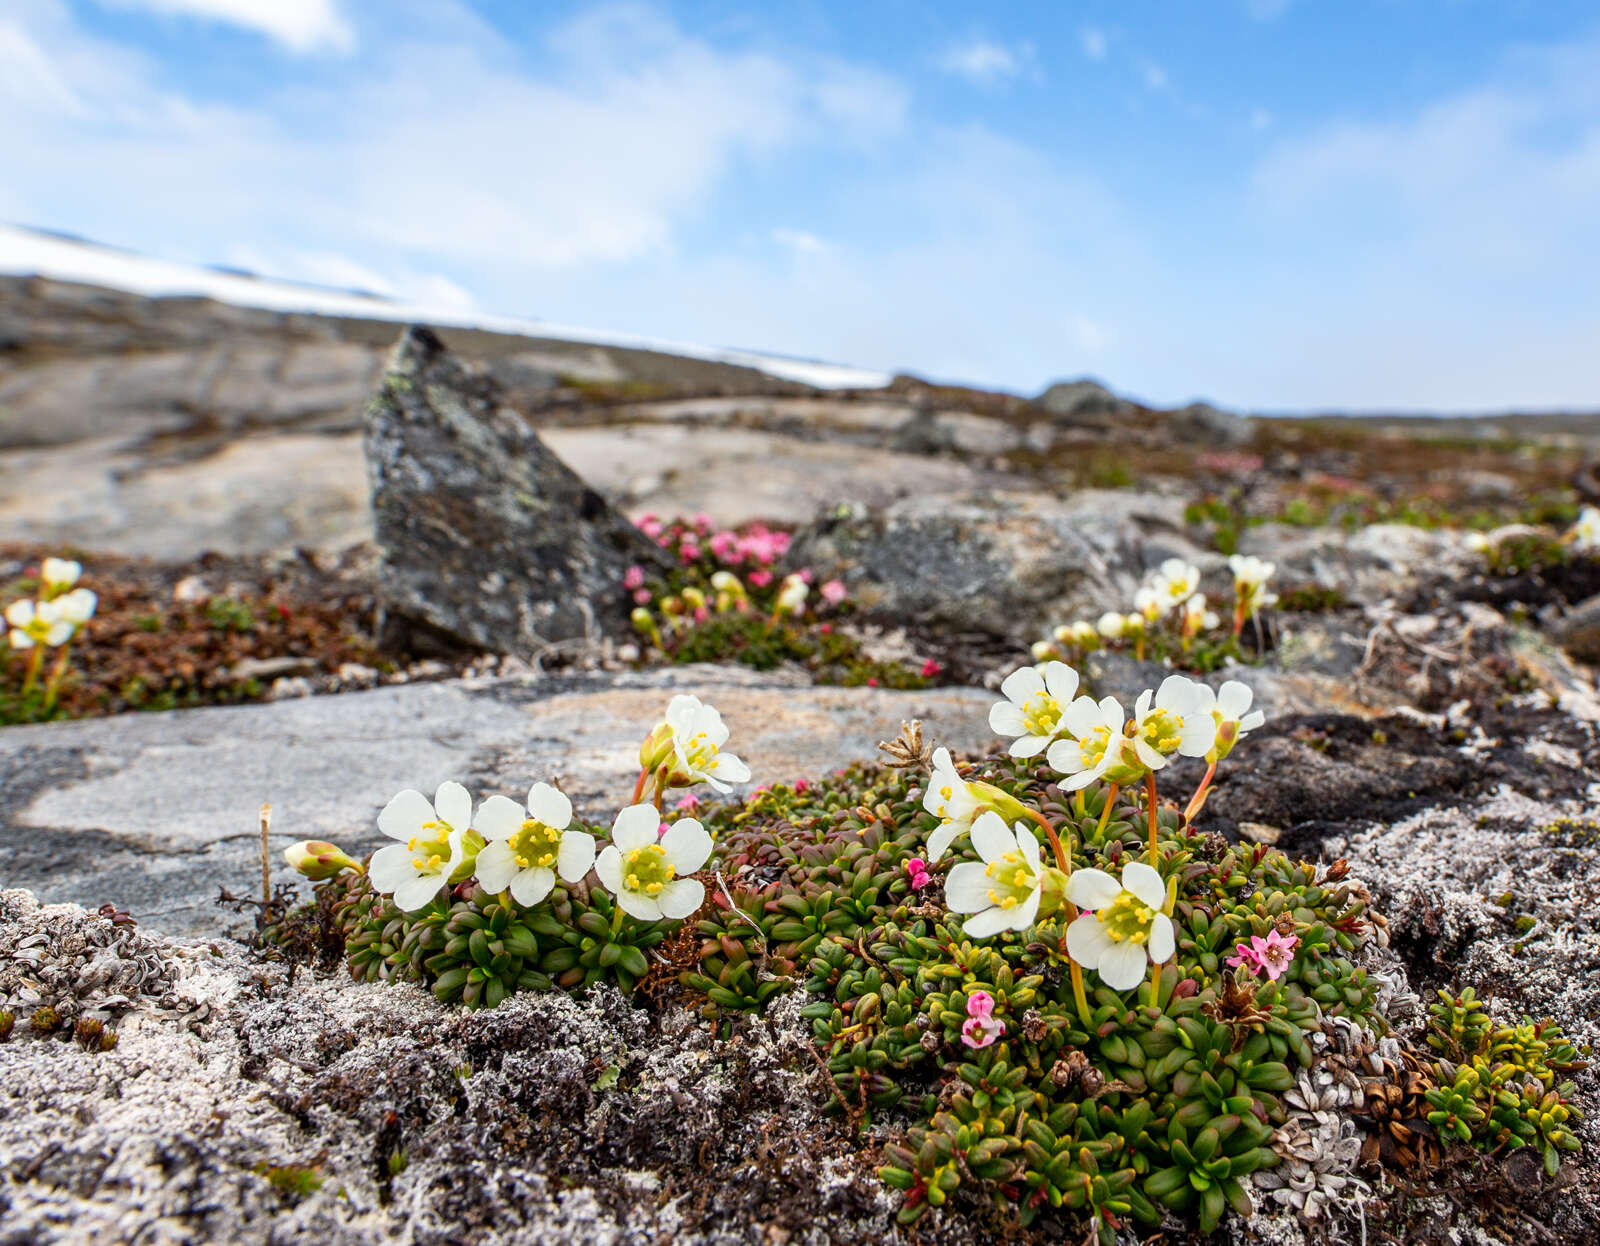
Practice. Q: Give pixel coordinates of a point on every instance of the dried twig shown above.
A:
(266, 856)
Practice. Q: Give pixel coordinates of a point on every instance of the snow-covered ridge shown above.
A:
(29, 252)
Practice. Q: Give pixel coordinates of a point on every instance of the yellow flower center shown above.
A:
(1162, 730)
(431, 849)
(38, 628)
(1011, 881)
(535, 844)
(1093, 746)
(648, 870)
(1127, 919)
(699, 752)
(1041, 713)
(946, 791)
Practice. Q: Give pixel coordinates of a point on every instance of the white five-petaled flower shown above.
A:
(1176, 581)
(38, 623)
(1111, 625)
(78, 606)
(1176, 718)
(698, 734)
(1229, 708)
(528, 847)
(952, 800)
(57, 575)
(1002, 891)
(1149, 604)
(792, 594)
(431, 844)
(1124, 924)
(644, 869)
(1098, 748)
(1250, 576)
(1585, 534)
(1035, 700)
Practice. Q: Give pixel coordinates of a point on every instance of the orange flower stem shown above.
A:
(638, 788)
(35, 660)
(1063, 855)
(1199, 797)
(1105, 814)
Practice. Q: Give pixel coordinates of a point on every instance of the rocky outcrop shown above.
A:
(487, 539)
(999, 564)
(1081, 400)
(156, 811)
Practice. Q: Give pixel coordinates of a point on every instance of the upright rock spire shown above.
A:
(487, 539)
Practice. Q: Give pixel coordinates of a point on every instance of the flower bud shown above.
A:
(317, 859)
(657, 748)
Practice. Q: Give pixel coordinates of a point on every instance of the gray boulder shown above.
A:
(1001, 564)
(488, 540)
(1202, 423)
(1579, 631)
(1072, 400)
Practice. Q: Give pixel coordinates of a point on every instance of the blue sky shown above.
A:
(1275, 204)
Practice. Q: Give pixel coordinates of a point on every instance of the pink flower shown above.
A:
(633, 578)
(980, 1004)
(701, 614)
(917, 873)
(688, 553)
(1272, 955)
(800, 785)
(833, 592)
(663, 829)
(689, 801)
(872, 681)
(806, 574)
(650, 525)
(760, 578)
(930, 668)
(981, 1032)
(826, 629)
(642, 597)
(702, 521)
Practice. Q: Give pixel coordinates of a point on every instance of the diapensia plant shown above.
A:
(1171, 617)
(1066, 1001)
(50, 620)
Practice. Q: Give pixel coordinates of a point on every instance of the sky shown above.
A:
(1275, 205)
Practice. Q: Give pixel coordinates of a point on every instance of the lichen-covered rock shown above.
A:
(999, 564)
(488, 539)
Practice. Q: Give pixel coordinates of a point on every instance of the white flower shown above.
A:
(1041, 650)
(698, 734)
(1479, 542)
(1176, 718)
(1111, 625)
(527, 848)
(1228, 707)
(1033, 705)
(38, 623)
(792, 594)
(1133, 626)
(1002, 892)
(57, 575)
(1098, 748)
(431, 844)
(1176, 581)
(1195, 617)
(1250, 576)
(78, 606)
(956, 802)
(643, 870)
(1149, 604)
(1585, 534)
(1124, 924)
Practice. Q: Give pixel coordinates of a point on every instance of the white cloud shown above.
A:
(1266, 10)
(300, 25)
(1094, 43)
(800, 241)
(1154, 76)
(985, 63)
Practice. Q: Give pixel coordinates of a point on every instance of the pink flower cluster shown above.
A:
(917, 873)
(980, 1029)
(1272, 955)
(757, 546)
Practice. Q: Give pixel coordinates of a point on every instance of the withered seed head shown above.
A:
(908, 749)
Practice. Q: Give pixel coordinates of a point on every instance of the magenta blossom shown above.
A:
(833, 592)
(641, 596)
(801, 785)
(917, 872)
(760, 578)
(1272, 955)
(980, 1029)
(930, 668)
(633, 577)
(688, 801)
